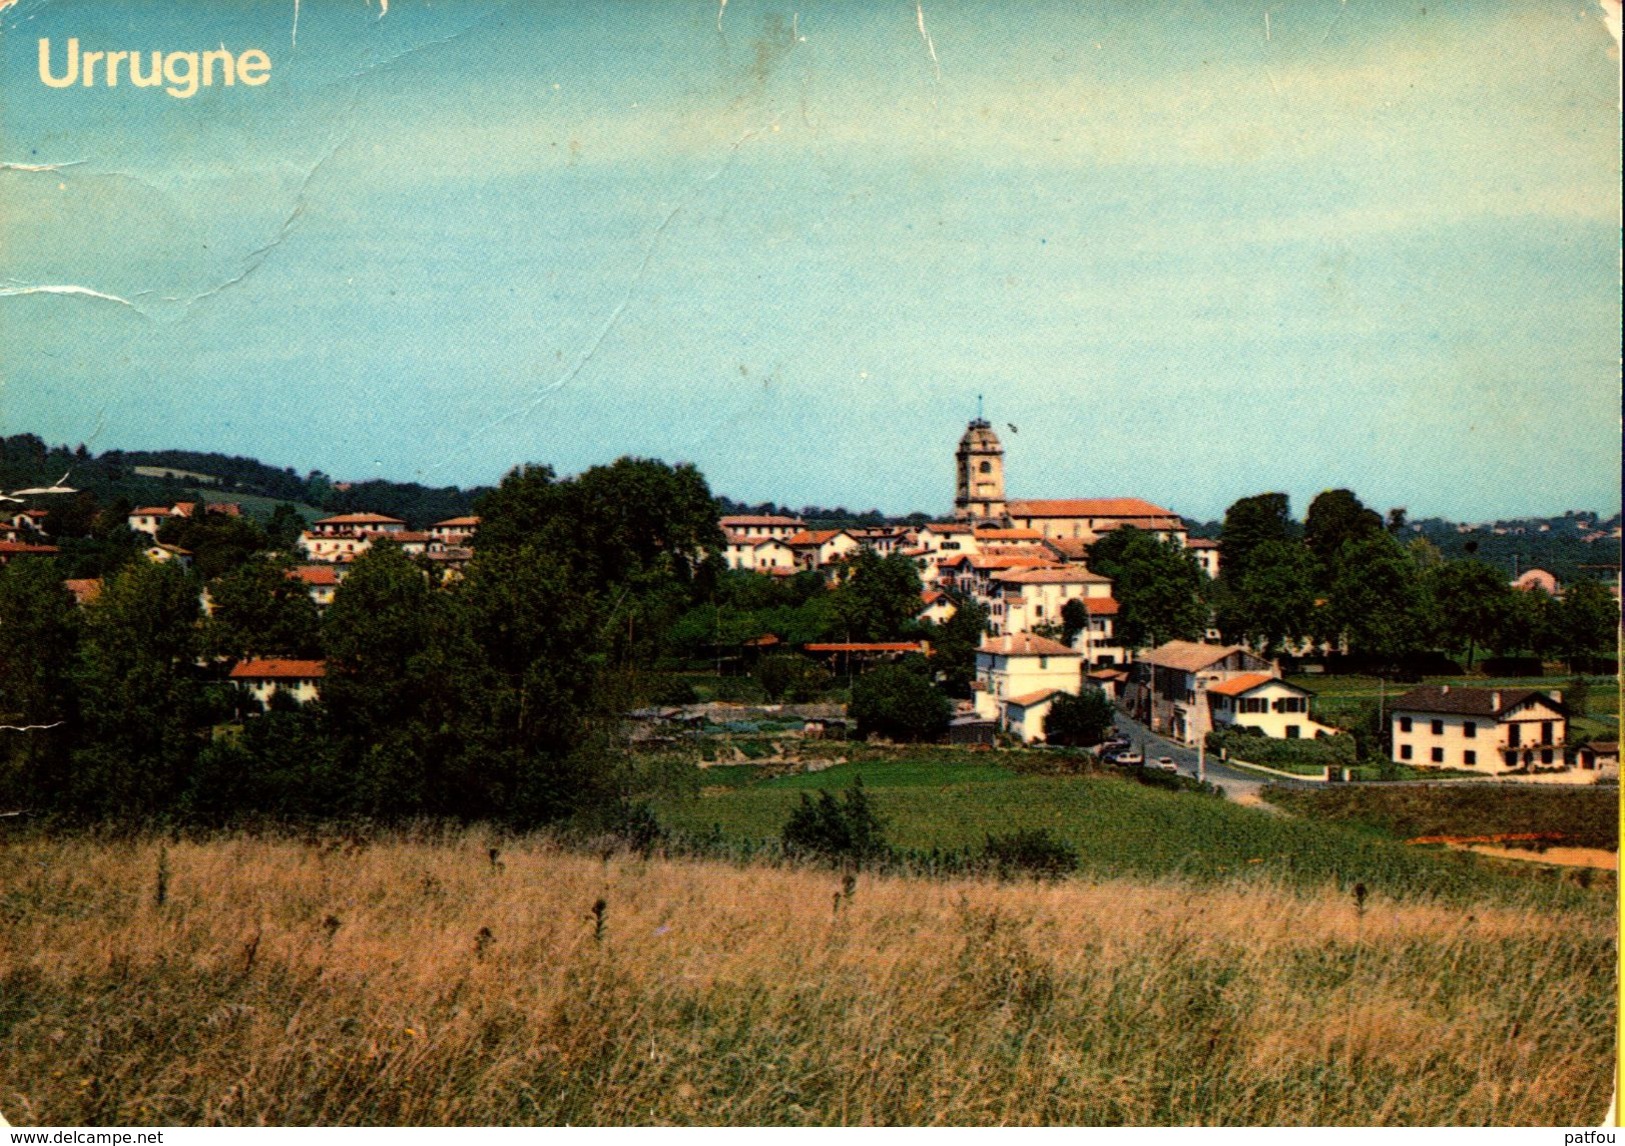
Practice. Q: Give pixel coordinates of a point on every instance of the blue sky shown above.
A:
(1192, 251)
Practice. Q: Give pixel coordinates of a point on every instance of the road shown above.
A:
(1236, 784)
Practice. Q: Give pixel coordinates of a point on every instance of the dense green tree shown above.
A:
(1377, 601)
(899, 702)
(1586, 621)
(792, 678)
(1273, 604)
(39, 635)
(1528, 623)
(259, 611)
(954, 644)
(283, 528)
(1157, 584)
(379, 684)
(1079, 720)
(846, 829)
(879, 600)
(1253, 521)
(218, 542)
(1335, 518)
(141, 701)
(1471, 601)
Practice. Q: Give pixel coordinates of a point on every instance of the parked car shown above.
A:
(1165, 764)
(1128, 759)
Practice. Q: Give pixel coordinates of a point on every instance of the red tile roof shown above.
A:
(1201, 543)
(150, 511)
(1189, 656)
(361, 519)
(84, 589)
(1028, 699)
(278, 669)
(1246, 682)
(315, 574)
(1088, 507)
(19, 548)
(458, 522)
(1070, 575)
(1100, 606)
(813, 537)
(759, 519)
(1009, 535)
(870, 647)
(1026, 645)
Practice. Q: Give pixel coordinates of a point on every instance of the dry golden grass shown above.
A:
(412, 982)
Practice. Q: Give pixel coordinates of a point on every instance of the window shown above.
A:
(1545, 755)
(1404, 724)
(1469, 729)
(1437, 755)
(985, 467)
(1514, 735)
(1469, 758)
(1404, 751)
(1546, 735)
(1292, 732)
(1438, 728)
(1043, 662)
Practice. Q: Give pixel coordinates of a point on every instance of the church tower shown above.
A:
(980, 496)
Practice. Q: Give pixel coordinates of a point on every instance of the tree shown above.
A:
(1586, 621)
(39, 636)
(899, 702)
(259, 611)
(1273, 603)
(1335, 518)
(954, 644)
(1376, 601)
(141, 701)
(283, 528)
(376, 636)
(1157, 585)
(880, 598)
(1529, 623)
(1249, 523)
(1079, 720)
(219, 542)
(1472, 600)
(791, 677)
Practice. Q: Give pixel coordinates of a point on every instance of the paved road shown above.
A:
(1233, 781)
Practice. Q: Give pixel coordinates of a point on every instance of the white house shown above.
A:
(1206, 553)
(1171, 679)
(745, 551)
(1037, 596)
(936, 607)
(320, 581)
(1487, 730)
(160, 553)
(453, 531)
(816, 548)
(1265, 703)
(263, 679)
(1018, 677)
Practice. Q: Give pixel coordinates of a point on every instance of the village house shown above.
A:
(262, 679)
(1265, 703)
(346, 536)
(1488, 730)
(149, 519)
(759, 553)
(84, 589)
(454, 531)
(1206, 553)
(321, 581)
(1018, 678)
(1172, 680)
(815, 549)
(10, 549)
(1030, 597)
(160, 553)
(759, 525)
(936, 607)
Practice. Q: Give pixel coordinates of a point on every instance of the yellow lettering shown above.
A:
(90, 59)
(226, 70)
(182, 84)
(258, 63)
(154, 77)
(45, 75)
(113, 59)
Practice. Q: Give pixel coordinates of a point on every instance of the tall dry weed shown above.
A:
(299, 983)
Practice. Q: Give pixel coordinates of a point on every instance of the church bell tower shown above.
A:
(980, 457)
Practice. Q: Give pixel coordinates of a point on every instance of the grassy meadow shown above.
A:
(948, 801)
(417, 980)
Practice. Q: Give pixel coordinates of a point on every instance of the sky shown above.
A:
(1183, 251)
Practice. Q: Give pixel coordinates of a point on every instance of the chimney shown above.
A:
(1444, 690)
(1495, 702)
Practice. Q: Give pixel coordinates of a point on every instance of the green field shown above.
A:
(1584, 817)
(946, 800)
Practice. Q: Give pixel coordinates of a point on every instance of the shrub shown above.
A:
(1340, 750)
(1031, 851)
(848, 828)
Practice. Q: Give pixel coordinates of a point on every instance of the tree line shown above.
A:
(495, 695)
